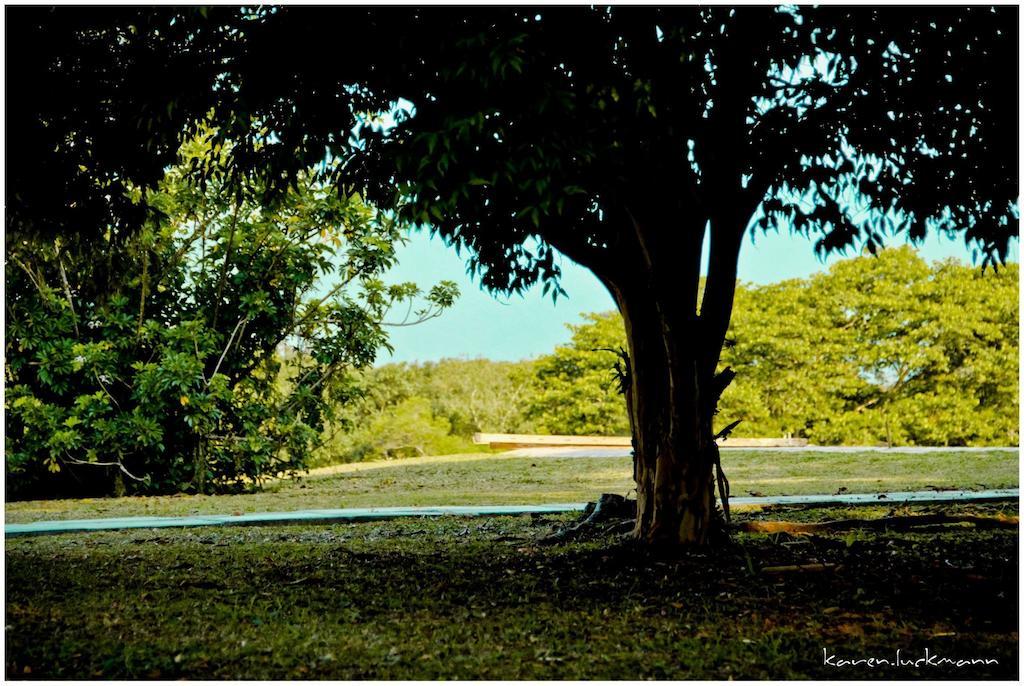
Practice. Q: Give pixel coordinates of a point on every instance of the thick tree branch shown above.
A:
(719, 289)
(581, 252)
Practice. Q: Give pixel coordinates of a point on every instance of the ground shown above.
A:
(500, 480)
(484, 599)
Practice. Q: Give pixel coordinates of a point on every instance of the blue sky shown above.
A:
(518, 327)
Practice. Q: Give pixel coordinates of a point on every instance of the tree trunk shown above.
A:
(672, 388)
(652, 270)
(674, 452)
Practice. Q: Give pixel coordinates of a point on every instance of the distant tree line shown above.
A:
(434, 408)
(885, 350)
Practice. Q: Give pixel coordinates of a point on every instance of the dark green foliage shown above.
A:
(105, 97)
(152, 363)
(519, 132)
(878, 350)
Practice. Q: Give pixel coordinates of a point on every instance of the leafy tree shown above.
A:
(879, 350)
(791, 361)
(407, 429)
(438, 406)
(153, 364)
(476, 395)
(626, 147)
(576, 390)
(935, 352)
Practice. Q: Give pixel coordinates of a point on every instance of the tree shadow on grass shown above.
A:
(470, 598)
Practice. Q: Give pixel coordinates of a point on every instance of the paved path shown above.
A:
(626, 452)
(380, 513)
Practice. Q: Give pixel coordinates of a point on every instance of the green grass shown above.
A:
(497, 480)
(481, 599)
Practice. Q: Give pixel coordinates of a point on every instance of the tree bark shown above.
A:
(671, 386)
(674, 452)
(652, 269)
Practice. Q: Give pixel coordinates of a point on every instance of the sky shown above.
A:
(520, 327)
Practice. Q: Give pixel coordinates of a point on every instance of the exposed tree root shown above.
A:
(888, 523)
(611, 512)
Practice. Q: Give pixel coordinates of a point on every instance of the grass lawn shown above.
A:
(481, 599)
(482, 479)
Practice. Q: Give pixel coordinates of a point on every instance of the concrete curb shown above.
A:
(359, 514)
(725, 448)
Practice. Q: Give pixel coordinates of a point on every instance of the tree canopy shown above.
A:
(875, 118)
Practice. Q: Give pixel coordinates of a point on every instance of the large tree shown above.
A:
(624, 138)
